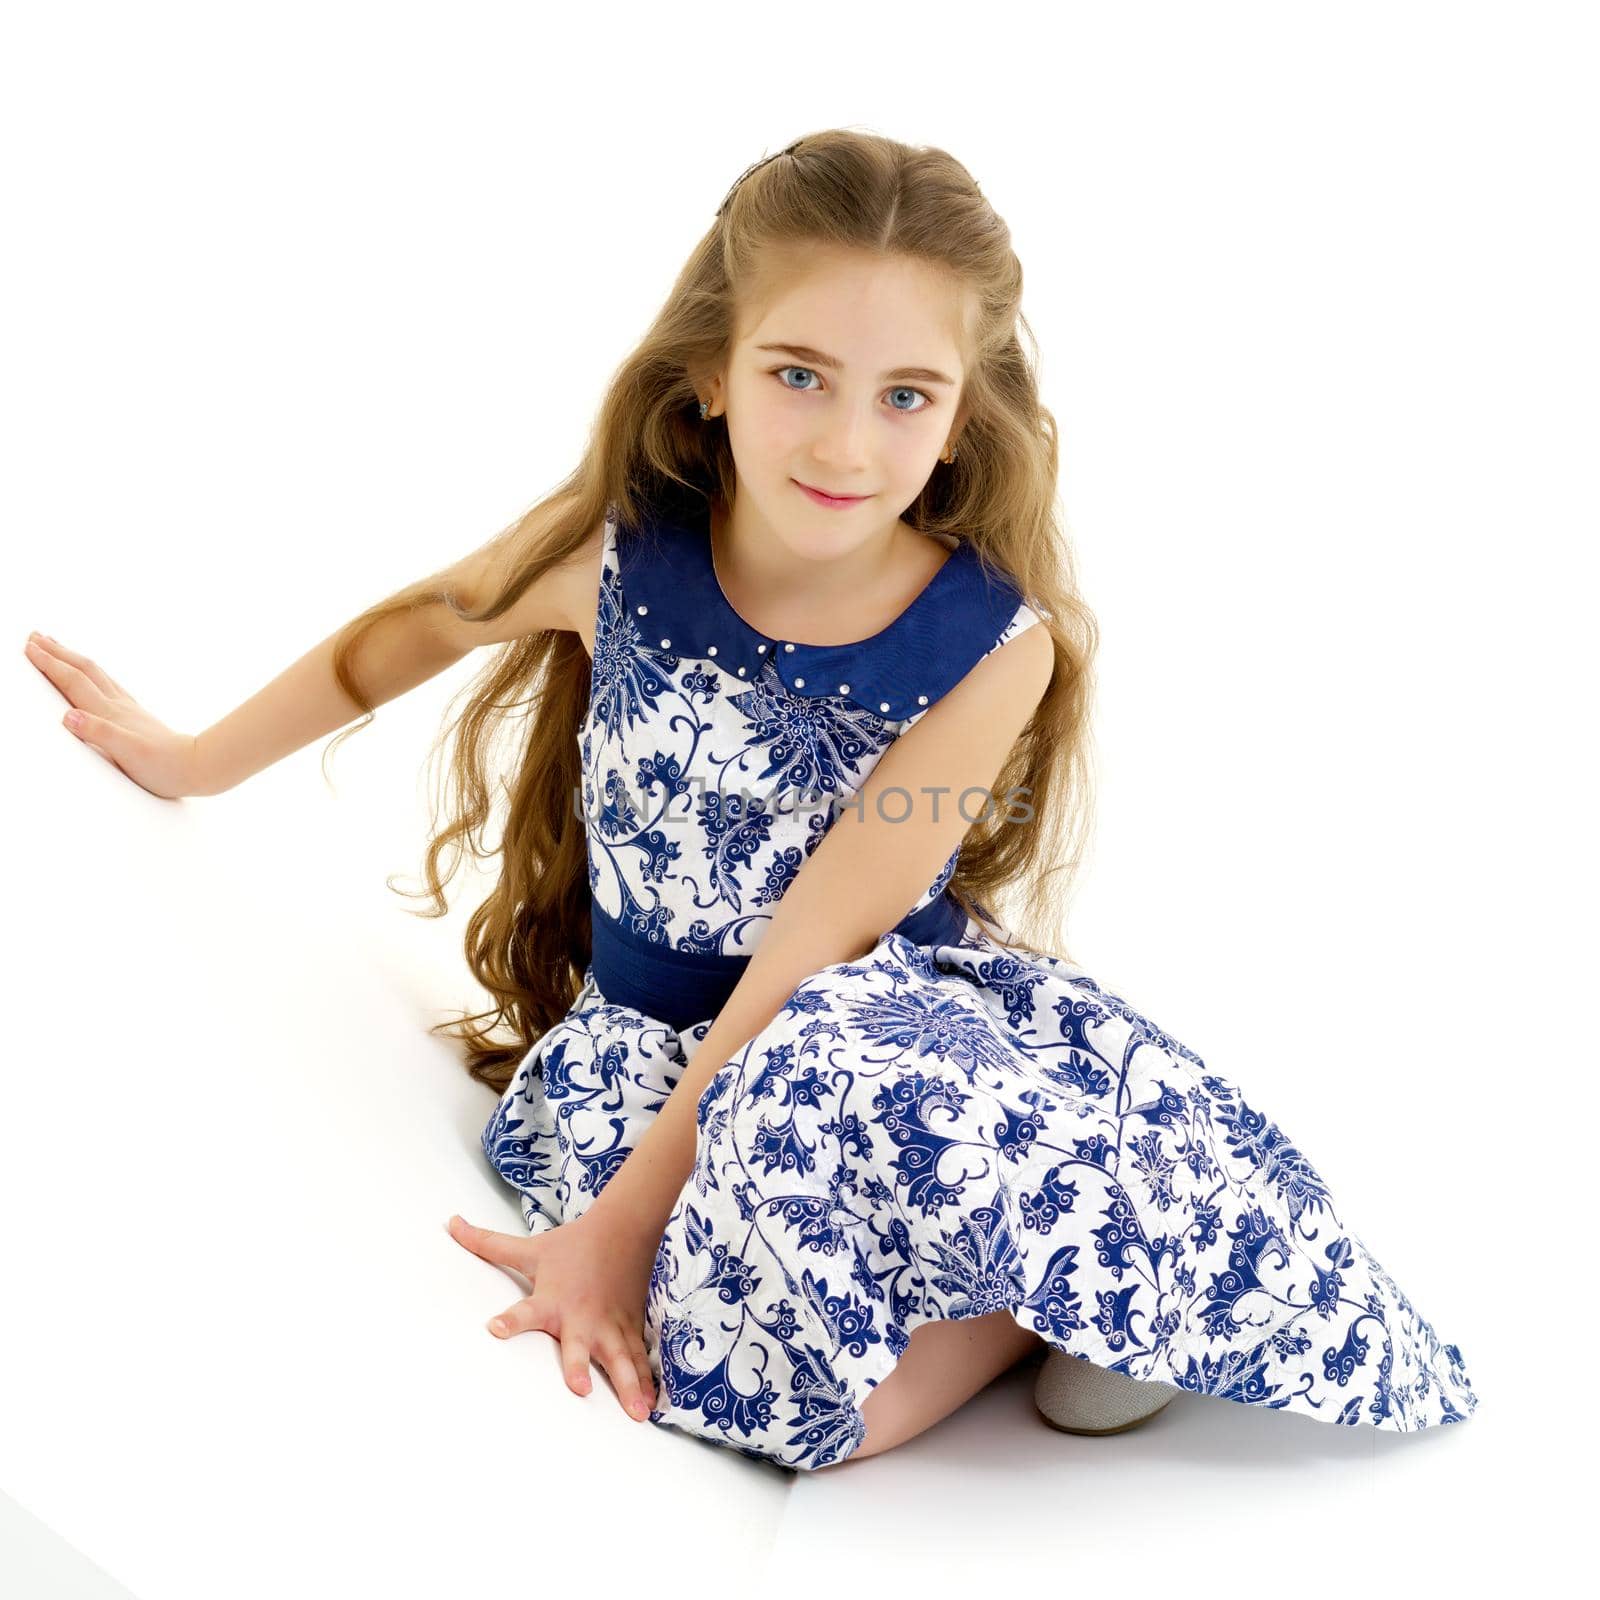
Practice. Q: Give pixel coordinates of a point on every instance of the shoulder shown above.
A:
(971, 727)
(959, 745)
(1010, 678)
(562, 598)
(998, 660)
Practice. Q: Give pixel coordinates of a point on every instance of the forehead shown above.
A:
(878, 311)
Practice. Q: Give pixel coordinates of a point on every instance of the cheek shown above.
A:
(764, 427)
(912, 450)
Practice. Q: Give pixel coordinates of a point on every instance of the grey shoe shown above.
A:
(1077, 1396)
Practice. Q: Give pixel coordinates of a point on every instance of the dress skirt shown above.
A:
(946, 1130)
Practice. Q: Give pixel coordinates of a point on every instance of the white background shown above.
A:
(302, 302)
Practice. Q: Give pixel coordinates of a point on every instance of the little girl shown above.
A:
(811, 1147)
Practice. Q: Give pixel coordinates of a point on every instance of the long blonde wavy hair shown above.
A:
(528, 942)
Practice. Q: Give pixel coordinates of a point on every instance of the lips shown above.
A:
(829, 494)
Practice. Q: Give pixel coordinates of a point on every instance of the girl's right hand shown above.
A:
(116, 727)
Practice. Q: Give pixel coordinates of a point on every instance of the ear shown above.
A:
(710, 384)
(960, 422)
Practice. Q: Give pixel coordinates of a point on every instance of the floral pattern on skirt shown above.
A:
(943, 1131)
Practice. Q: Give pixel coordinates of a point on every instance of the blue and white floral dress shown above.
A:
(942, 1129)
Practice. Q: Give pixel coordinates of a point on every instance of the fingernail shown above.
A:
(73, 719)
(498, 1325)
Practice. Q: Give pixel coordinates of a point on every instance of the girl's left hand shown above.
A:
(590, 1279)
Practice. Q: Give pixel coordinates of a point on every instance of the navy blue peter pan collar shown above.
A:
(676, 605)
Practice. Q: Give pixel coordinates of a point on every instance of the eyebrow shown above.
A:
(805, 353)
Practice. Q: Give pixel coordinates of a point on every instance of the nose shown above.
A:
(840, 445)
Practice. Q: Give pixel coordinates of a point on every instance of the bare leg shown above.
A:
(945, 1364)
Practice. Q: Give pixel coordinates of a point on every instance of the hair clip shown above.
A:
(788, 150)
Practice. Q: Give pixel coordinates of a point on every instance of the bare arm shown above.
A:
(859, 882)
(305, 702)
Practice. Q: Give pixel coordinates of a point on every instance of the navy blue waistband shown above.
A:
(682, 987)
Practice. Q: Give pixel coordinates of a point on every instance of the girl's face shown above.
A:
(850, 382)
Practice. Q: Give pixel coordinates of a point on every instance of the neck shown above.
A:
(765, 581)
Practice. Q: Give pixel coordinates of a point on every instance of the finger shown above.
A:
(641, 1365)
(621, 1363)
(52, 650)
(103, 736)
(575, 1364)
(526, 1316)
(98, 676)
(72, 681)
(504, 1249)
(647, 1381)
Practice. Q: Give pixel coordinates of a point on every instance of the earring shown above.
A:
(951, 456)
(705, 408)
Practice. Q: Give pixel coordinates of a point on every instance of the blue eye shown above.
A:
(781, 370)
(904, 411)
(907, 389)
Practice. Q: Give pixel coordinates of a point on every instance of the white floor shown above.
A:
(242, 1356)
